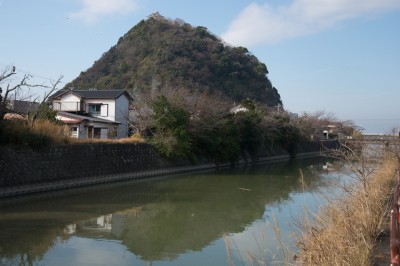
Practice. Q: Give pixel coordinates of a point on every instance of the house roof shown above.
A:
(21, 107)
(79, 118)
(92, 94)
(11, 116)
(237, 109)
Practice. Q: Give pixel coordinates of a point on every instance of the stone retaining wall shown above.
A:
(64, 166)
(63, 162)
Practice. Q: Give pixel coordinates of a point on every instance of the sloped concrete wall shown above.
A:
(75, 165)
(62, 162)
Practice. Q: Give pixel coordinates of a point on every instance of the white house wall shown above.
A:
(116, 110)
(69, 97)
(104, 110)
(110, 114)
(80, 132)
(68, 102)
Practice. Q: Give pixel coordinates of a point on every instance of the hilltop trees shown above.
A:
(171, 128)
(159, 53)
(184, 124)
(251, 134)
(312, 125)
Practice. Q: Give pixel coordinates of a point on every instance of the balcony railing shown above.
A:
(68, 106)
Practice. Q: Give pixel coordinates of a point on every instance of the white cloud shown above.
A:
(263, 24)
(93, 9)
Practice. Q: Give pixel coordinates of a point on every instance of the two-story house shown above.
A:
(98, 114)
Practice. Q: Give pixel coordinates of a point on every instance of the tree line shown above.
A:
(184, 124)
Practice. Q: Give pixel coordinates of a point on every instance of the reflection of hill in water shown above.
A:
(157, 219)
(198, 211)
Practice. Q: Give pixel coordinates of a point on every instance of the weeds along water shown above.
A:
(336, 224)
(343, 231)
(272, 239)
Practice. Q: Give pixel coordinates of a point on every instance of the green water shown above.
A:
(221, 217)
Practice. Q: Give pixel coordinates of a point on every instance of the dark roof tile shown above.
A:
(89, 94)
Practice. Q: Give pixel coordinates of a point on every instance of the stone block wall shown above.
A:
(95, 163)
(63, 162)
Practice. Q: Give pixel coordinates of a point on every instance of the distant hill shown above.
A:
(160, 53)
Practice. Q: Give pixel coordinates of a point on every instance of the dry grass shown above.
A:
(59, 134)
(260, 258)
(131, 140)
(345, 230)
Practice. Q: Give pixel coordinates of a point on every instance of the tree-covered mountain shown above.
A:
(163, 53)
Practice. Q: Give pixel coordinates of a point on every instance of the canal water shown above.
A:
(225, 217)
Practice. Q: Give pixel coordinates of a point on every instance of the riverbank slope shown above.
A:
(346, 231)
(64, 166)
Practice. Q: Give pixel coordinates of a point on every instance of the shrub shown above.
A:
(172, 137)
(137, 138)
(18, 133)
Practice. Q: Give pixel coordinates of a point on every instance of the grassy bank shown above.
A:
(344, 231)
(45, 133)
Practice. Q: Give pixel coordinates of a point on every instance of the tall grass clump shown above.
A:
(18, 133)
(134, 139)
(41, 134)
(58, 133)
(345, 229)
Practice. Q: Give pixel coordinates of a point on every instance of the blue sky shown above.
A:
(342, 57)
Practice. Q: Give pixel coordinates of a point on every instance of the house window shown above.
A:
(74, 132)
(94, 109)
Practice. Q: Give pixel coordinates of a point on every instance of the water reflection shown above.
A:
(166, 221)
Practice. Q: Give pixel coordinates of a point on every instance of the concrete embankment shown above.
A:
(25, 171)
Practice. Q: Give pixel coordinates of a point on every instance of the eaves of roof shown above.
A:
(92, 94)
(85, 117)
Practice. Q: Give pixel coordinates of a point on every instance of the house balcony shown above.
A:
(69, 106)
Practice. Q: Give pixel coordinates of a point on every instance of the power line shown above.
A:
(33, 75)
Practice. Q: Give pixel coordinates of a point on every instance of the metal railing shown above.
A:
(68, 106)
(394, 226)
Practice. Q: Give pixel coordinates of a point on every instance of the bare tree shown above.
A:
(361, 156)
(206, 110)
(6, 77)
(36, 114)
(311, 124)
(141, 115)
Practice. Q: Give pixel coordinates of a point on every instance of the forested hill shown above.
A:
(163, 53)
